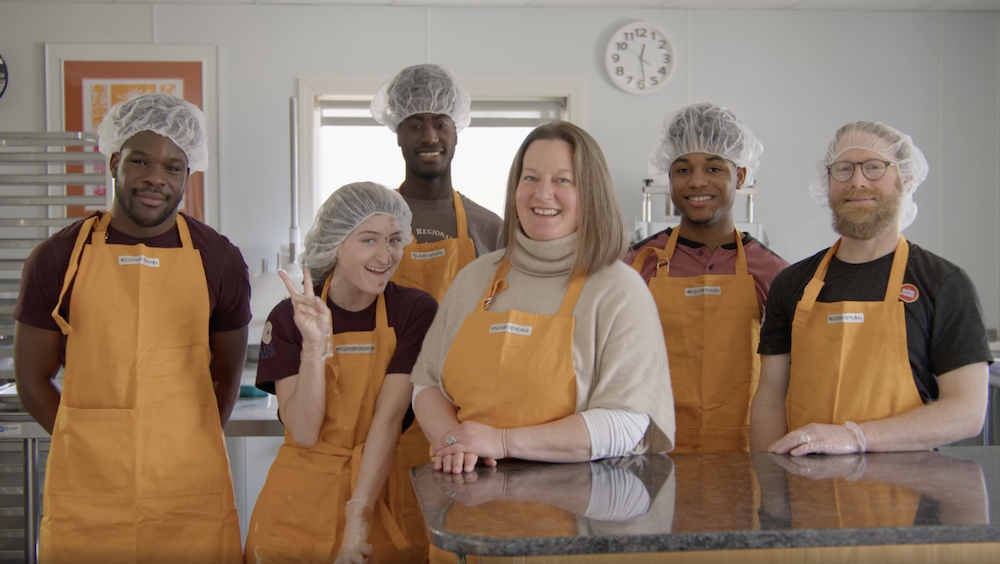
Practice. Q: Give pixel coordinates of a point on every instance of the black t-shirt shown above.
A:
(945, 328)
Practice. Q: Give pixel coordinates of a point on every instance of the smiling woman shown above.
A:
(338, 357)
(588, 379)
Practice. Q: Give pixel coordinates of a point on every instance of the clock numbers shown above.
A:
(639, 58)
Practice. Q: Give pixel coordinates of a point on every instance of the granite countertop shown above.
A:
(714, 501)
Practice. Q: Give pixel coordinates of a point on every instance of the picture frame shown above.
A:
(83, 80)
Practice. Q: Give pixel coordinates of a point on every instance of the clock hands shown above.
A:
(642, 61)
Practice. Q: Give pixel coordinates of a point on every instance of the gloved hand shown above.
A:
(355, 548)
(821, 439)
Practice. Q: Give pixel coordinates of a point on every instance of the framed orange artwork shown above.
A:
(83, 82)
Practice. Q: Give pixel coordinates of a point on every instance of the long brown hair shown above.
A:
(602, 237)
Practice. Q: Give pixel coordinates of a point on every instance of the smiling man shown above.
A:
(147, 310)
(709, 281)
(426, 108)
(874, 344)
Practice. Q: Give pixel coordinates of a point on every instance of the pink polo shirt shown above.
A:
(694, 259)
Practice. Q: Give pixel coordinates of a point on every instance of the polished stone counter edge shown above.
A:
(722, 540)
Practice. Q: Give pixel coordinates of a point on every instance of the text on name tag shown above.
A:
(427, 255)
(845, 318)
(356, 349)
(143, 260)
(511, 328)
(703, 291)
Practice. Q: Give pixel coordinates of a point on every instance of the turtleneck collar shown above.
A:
(543, 258)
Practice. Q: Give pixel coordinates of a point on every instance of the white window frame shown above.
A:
(312, 89)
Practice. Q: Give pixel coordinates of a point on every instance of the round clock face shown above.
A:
(639, 58)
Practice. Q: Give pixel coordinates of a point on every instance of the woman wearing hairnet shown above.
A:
(709, 281)
(549, 349)
(338, 355)
(874, 344)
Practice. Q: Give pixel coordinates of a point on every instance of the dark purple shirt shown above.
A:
(409, 312)
(225, 272)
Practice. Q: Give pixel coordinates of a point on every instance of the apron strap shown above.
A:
(461, 224)
(640, 259)
(381, 317)
(898, 270)
(572, 295)
(811, 293)
(182, 228)
(741, 255)
(74, 259)
(498, 285)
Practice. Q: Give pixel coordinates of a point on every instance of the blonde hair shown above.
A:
(602, 237)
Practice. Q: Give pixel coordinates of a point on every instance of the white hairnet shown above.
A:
(421, 89)
(891, 145)
(347, 208)
(705, 128)
(164, 114)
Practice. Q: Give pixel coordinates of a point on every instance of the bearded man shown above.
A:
(874, 344)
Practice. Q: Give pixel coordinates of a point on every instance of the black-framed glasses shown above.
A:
(873, 169)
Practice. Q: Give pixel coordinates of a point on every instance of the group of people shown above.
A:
(427, 328)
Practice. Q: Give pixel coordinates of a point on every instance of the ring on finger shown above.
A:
(450, 440)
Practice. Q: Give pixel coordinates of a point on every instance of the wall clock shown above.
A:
(3, 76)
(639, 58)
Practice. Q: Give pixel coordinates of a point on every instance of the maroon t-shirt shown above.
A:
(409, 312)
(226, 273)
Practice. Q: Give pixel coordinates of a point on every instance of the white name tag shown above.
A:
(356, 349)
(845, 318)
(10, 430)
(511, 328)
(427, 255)
(143, 260)
(703, 291)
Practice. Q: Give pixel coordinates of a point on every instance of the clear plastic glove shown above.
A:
(355, 548)
(852, 467)
(816, 438)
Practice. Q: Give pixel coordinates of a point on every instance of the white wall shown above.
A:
(932, 75)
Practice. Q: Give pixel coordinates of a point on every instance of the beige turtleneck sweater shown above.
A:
(618, 346)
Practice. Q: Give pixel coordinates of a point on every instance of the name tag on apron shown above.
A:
(427, 255)
(143, 260)
(845, 318)
(356, 349)
(511, 328)
(703, 291)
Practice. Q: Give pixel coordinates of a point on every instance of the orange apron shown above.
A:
(138, 470)
(430, 267)
(711, 324)
(299, 516)
(861, 504)
(512, 369)
(849, 359)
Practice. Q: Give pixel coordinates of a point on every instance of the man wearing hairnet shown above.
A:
(147, 310)
(426, 108)
(874, 344)
(709, 281)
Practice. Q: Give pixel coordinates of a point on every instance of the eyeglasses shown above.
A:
(873, 169)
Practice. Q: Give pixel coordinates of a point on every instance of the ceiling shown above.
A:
(839, 5)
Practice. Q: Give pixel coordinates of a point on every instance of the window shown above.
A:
(354, 147)
(499, 104)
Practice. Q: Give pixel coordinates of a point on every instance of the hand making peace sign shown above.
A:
(312, 316)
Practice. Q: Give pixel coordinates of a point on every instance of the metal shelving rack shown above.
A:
(33, 201)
